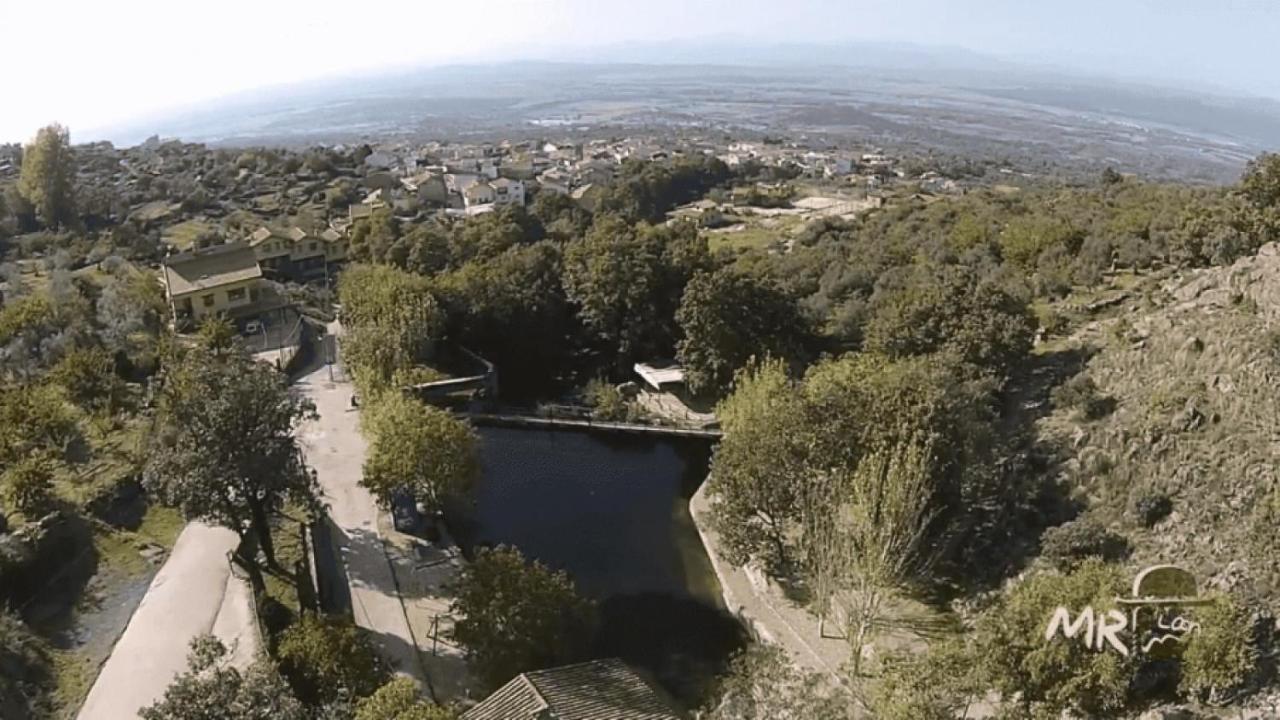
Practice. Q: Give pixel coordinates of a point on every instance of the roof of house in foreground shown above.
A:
(210, 267)
(596, 690)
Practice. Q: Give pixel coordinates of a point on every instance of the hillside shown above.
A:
(1190, 363)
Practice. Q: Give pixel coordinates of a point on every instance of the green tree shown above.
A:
(213, 690)
(89, 377)
(627, 281)
(34, 417)
(1261, 181)
(1047, 678)
(391, 322)
(939, 684)
(372, 239)
(728, 317)
(512, 309)
(1026, 236)
(1220, 654)
(763, 684)
(759, 468)
(325, 658)
(48, 176)
(418, 449)
(518, 616)
(28, 484)
(950, 309)
(228, 454)
(400, 700)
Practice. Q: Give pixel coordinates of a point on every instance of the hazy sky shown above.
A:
(92, 63)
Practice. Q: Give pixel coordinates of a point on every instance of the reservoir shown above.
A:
(612, 511)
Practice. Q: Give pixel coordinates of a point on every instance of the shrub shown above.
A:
(1073, 542)
(322, 656)
(400, 700)
(1219, 655)
(606, 400)
(28, 485)
(1081, 393)
(1153, 507)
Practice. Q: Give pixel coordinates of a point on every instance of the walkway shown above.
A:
(335, 448)
(764, 608)
(193, 594)
(522, 420)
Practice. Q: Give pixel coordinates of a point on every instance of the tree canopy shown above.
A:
(417, 449)
(227, 453)
(517, 616)
(48, 176)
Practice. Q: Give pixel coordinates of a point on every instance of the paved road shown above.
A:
(194, 593)
(334, 447)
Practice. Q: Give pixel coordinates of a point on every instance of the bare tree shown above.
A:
(871, 540)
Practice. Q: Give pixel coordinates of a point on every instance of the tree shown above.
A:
(34, 417)
(48, 176)
(1260, 184)
(1220, 655)
(1046, 678)
(26, 673)
(518, 616)
(951, 309)
(763, 684)
(874, 524)
(611, 275)
(228, 454)
(939, 684)
(28, 484)
(627, 280)
(391, 319)
(512, 310)
(400, 700)
(89, 377)
(726, 318)
(758, 469)
(417, 449)
(325, 658)
(213, 690)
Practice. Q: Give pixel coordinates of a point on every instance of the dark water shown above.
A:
(612, 511)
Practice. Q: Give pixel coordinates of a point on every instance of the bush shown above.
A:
(28, 485)
(1151, 508)
(322, 657)
(606, 401)
(1219, 655)
(1081, 393)
(400, 700)
(1073, 542)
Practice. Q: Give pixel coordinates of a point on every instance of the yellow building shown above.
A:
(218, 280)
(295, 252)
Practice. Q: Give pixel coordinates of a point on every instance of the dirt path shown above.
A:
(194, 593)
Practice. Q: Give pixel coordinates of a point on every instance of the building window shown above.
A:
(235, 295)
(313, 247)
(207, 300)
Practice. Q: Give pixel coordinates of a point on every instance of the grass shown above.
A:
(183, 235)
(755, 233)
(119, 562)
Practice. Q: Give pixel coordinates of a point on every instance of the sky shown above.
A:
(90, 64)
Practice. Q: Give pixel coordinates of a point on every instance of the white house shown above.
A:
(507, 191)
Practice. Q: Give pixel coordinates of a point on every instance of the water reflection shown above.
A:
(612, 511)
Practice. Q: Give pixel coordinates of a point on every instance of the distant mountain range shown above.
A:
(882, 93)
